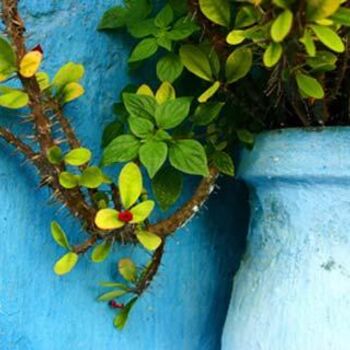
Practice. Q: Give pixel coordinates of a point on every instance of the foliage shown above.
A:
(220, 71)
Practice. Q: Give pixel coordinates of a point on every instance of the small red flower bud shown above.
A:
(114, 305)
(38, 48)
(125, 216)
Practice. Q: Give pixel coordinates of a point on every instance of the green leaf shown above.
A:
(68, 180)
(142, 29)
(342, 17)
(66, 263)
(272, 55)
(167, 187)
(218, 11)
(112, 295)
(101, 252)
(7, 59)
(320, 9)
(122, 149)
(235, 37)
(329, 38)
(149, 240)
(92, 177)
(282, 26)
(189, 157)
(111, 131)
(224, 163)
(245, 136)
(141, 211)
(324, 61)
(165, 93)
(14, 99)
(309, 86)
(144, 49)
(308, 43)
(78, 156)
(182, 29)
(114, 285)
(196, 61)
(247, 16)
(54, 155)
(121, 319)
(43, 80)
(69, 73)
(210, 92)
(59, 235)
(153, 154)
(173, 112)
(207, 112)
(127, 269)
(169, 68)
(164, 17)
(140, 127)
(165, 42)
(238, 64)
(119, 16)
(141, 106)
(130, 184)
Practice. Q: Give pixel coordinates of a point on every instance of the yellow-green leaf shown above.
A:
(165, 93)
(101, 252)
(308, 43)
(218, 11)
(65, 264)
(14, 99)
(235, 37)
(282, 26)
(238, 64)
(71, 92)
(149, 240)
(130, 184)
(107, 219)
(309, 86)
(43, 80)
(320, 9)
(112, 295)
(145, 90)
(329, 38)
(127, 269)
(30, 63)
(209, 93)
(78, 156)
(59, 235)
(272, 54)
(70, 72)
(142, 211)
(68, 180)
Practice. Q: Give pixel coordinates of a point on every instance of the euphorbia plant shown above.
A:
(253, 65)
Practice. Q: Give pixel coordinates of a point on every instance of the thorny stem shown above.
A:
(74, 199)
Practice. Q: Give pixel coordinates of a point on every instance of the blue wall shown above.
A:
(186, 307)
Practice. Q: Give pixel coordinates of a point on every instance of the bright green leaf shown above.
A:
(164, 17)
(169, 68)
(238, 64)
(101, 252)
(153, 154)
(141, 106)
(14, 99)
(189, 157)
(122, 149)
(320, 9)
(149, 240)
(272, 54)
(329, 38)
(196, 61)
(130, 184)
(207, 112)
(282, 26)
(218, 11)
(92, 177)
(144, 49)
(165, 93)
(209, 93)
(7, 59)
(141, 211)
(121, 319)
(140, 127)
(342, 17)
(310, 86)
(235, 37)
(66, 263)
(112, 295)
(68, 180)
(78, 156)
(69, 73)
(308, 43)
(59, 235)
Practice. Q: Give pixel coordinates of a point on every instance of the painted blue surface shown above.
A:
(292, 291)
(186, 307)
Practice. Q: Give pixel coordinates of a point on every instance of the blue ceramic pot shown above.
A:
(292, 291)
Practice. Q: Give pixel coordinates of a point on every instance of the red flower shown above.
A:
(38, 48)
(125, 216)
